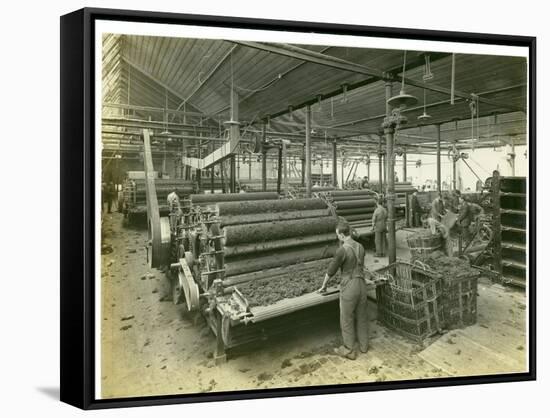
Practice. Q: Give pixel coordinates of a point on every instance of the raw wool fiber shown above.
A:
(449, 267)
(292, 284)
(459, 289)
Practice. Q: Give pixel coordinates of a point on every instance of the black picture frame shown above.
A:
(78, 201)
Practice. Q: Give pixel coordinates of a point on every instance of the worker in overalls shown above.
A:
(379, 218)
(110, 195)
(349, 258)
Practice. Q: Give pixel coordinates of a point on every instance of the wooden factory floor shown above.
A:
(149, 347)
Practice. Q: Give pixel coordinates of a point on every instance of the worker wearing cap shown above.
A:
(349, 259)
(379, 218)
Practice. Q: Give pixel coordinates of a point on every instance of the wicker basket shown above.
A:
(422, 244)
(409, 302)
(459, 300)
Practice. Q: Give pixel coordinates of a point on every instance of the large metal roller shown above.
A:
(231, 197)
(271, 216)
(355, 204)
(357, 211)
(279, 258)
(341, 193)
(351, 218)
(241, 234)
(350, 198)
(262, 206)
(262, 246)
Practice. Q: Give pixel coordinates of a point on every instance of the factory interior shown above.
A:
(227, 167)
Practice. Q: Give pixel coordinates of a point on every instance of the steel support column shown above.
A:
(385, 168)
(284, 158)
(199, 173)
(404, 166)
(303, 167)
(380, 167)
(438, 162)
(211, 179)
(222, 175)
(334, 163)
(279, 167)
(342, 169)
(389, 130)
(390, 193)
(232, 175)
(264, 158)
(308, 151)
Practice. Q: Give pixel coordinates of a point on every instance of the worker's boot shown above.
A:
(342, 351)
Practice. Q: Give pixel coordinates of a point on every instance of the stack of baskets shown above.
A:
(458, 288)
(409, 301)
(459, 299)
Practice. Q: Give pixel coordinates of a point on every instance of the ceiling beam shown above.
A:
(352, 86)
(164, 85)
(427, 106)
(340, 64)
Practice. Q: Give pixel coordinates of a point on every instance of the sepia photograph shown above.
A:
(290, 209)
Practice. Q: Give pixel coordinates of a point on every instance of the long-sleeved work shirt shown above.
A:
(348, 260)
(437, 209)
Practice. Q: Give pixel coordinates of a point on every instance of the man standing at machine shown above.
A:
(110, 195)
(173, 200)
(349, 259)
(379, 218)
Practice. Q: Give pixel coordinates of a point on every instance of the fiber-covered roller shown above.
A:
(355, 204)
(255, 218)
(240, 234)
(250, 207)
(286, 257)
(232, 197)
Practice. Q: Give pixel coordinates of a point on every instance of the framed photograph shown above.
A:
(255, 208)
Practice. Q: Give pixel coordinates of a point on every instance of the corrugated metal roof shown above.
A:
(167, 72)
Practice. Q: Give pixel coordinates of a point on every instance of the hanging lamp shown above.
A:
(403, 100)
(424, 116)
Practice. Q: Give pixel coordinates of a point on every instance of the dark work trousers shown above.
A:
(380, 243)
(416, 219)
(109, 202)
(353, 314)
